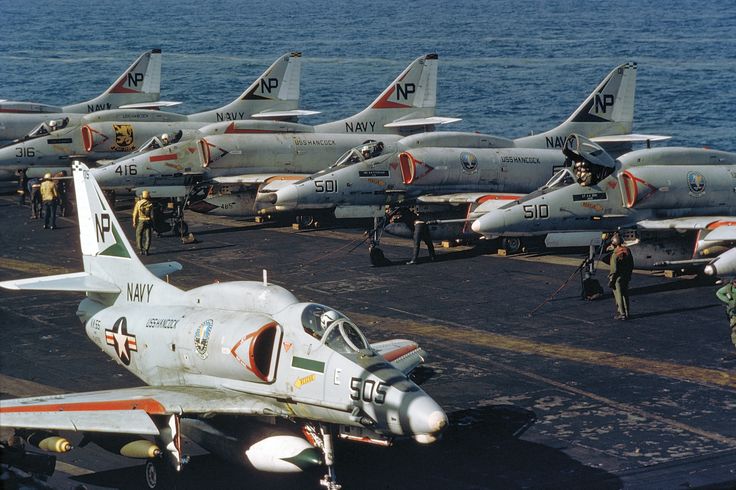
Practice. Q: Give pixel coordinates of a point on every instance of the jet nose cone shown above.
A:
(286, 198)
(426, 419)
(492, 223)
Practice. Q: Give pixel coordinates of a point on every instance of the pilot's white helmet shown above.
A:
(327, 318)
(52, 124)
(366, 149)
(165, 138)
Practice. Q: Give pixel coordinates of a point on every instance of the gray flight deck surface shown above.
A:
(566, 398)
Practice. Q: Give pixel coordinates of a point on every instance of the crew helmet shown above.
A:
(145, 194)
(327, 318)
(47, 176)
(165, 138)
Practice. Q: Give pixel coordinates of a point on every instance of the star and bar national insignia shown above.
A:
(123, 342)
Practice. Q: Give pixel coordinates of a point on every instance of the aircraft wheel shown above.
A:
(159, 475)
(512, 245)
(305, 221)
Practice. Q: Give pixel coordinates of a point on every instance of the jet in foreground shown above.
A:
(459, 176)
(676, 204)
(234, 160)
(242, 368)
(138, 86)
(112, 133)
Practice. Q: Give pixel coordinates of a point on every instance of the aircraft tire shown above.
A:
(157, 474)
(512, 245)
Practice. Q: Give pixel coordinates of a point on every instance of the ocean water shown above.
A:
(507, 68)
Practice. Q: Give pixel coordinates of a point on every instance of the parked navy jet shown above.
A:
(243, 368)
(676, 204)
(138, 86)
(459, 175)
(112, 133)
(235, 159)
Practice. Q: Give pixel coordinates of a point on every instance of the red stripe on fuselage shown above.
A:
(162, 158)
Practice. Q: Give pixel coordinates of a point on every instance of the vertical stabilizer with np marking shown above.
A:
(106, 252)
(406, 105)
(608, 110)
(140, 83)
(277, 89)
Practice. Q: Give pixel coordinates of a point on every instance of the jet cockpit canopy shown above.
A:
(367, 150)
(333, 329)
(46, 128)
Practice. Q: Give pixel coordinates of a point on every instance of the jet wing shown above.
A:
(424, 121)
(718, 227)
(257, 179)
(405, 355)
(468, 198)
(128, 410)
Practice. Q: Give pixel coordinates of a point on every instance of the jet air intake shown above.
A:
(680, 186)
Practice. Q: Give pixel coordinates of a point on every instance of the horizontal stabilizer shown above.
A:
(76, 281)
(151, 105)
(162, 269)
(283, 114)
(424, 121)
(630, 138)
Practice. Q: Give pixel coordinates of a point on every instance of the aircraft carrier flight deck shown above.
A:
(552, 394)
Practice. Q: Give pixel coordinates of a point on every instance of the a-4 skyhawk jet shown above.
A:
(112, 133)
(455, 177)
(242, 368)
(233, 160)
(677, 205)
(139, 85)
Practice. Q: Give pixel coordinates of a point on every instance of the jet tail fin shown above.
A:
(276, 90)
(107, 254)
(405, 106)
(608, 110)
(140, 83)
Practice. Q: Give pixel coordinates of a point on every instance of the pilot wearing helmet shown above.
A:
(320, 322)
(143, 222)
(327, 318)
(165, 139)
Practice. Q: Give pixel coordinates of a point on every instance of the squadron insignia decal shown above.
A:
(124, 343)
(696, 183)
(123, 137)
(202, 338)
(469, 162)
